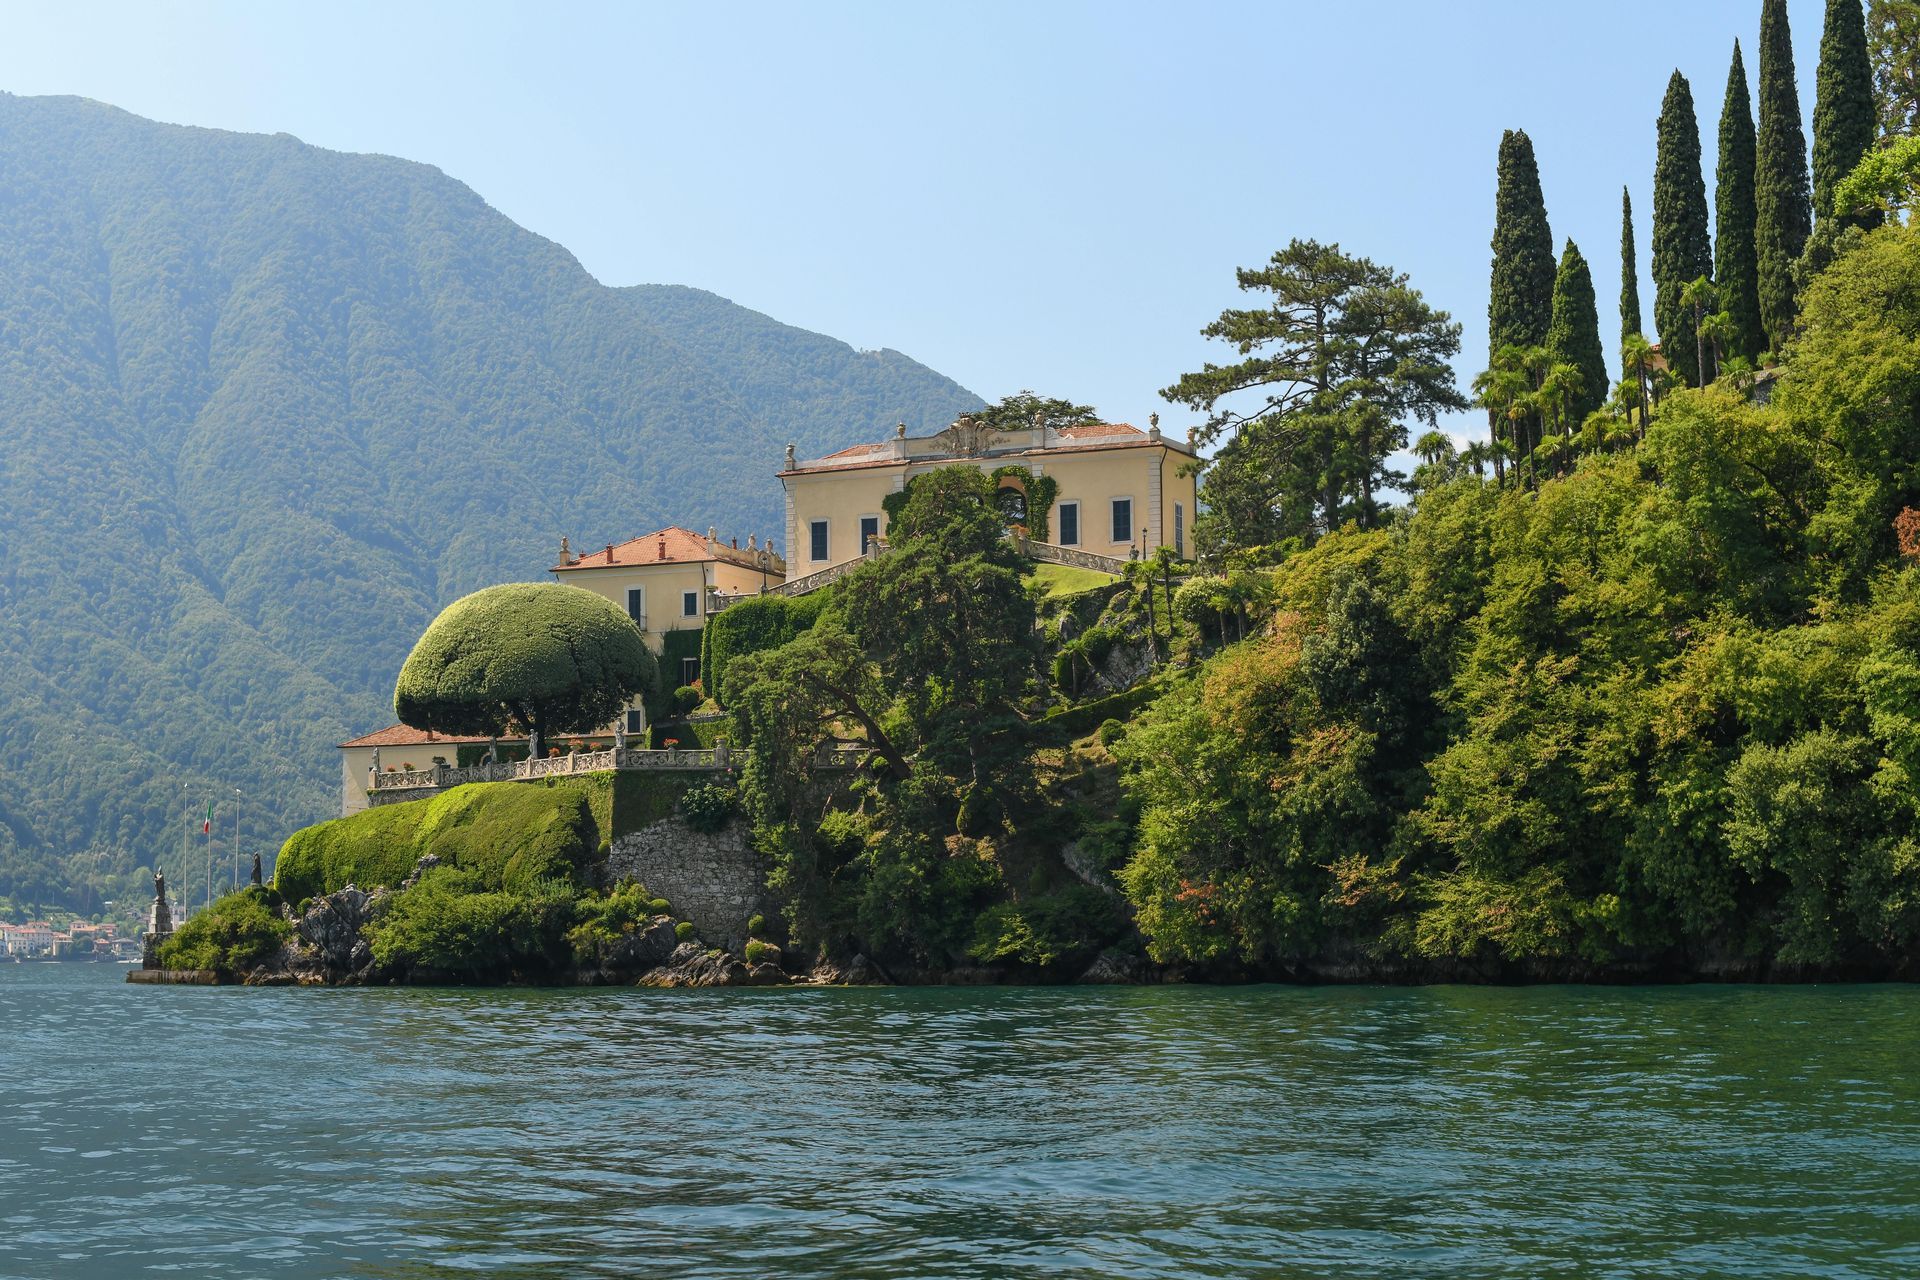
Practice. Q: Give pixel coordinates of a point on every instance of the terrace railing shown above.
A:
(671, 759)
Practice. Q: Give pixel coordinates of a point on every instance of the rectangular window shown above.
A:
(637, 606)
(869, 530)
(636, 720)
(1123, 519)
(1180, 531)
(689, 604)
(689, 670)
(1069, 524)
(817, 540)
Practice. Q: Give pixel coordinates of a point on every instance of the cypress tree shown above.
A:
(1783, 212)
(1573, 338)
(1629, 272)
(1843, 114)
(1735, 268)
(1520, 305)
(1680, 251)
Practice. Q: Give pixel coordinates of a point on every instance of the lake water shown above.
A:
(1187, 1131)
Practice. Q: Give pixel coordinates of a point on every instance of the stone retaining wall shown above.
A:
(713, 879)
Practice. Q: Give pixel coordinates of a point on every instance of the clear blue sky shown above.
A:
(1044, 195)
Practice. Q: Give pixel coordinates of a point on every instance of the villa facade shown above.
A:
(1120, 492)
(669, 582)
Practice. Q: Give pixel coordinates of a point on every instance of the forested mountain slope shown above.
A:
(265, 408)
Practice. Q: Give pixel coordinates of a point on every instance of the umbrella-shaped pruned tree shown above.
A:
(554, 658)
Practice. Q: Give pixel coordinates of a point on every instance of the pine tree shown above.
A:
(1520, 306)
(1680, 251)
(1783, 213)
(1735, 268)
(1629, 272)
(1843, 112)
(1574, 336)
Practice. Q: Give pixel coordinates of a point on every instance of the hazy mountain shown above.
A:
(264, 408)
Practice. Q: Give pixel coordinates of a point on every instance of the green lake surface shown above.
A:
(1116, 1132)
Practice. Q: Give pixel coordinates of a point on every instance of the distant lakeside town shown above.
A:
(77, 940)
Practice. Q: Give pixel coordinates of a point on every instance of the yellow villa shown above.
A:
(1120, 492)
(669, 581)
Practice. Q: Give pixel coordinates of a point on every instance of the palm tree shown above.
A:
(1701, 298)
(1434, 447)
(1719, 329)
(1476, 455)
(1636, 362)
(1502, 389)
(1553, 396)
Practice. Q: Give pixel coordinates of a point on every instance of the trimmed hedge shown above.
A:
(1085, 717)
(510, 835)
(567, 656)
(752, 626)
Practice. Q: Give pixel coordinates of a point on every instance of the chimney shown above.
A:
(609, 553)
(734, 542)
(660, 548)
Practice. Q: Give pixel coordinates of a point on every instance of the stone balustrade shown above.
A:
(392, 783)
(1047, 553)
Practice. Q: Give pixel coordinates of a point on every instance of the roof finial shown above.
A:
(791, 464)
(900, 431)
(566, 552)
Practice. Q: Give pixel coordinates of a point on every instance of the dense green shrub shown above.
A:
(683, 931)
(660, 907)
(1063, 723)
(758, 952)
(511, 834)
(603, 919)
(756, 926)
(752, 626)
(1111, 731)
(1054, 932)
(451, 926)
(237, 933)
(709, 806)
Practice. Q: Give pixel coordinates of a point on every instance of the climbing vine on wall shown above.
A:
(1041, 491)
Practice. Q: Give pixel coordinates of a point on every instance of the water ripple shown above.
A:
(1190, 1132)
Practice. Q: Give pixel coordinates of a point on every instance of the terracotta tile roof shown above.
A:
(1088, 436)
(672, 545)
(401, 735)
(860, 451)
(1100, 430)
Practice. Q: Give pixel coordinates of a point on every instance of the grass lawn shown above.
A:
(1066, 579)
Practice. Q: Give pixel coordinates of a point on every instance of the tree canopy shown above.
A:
(1680, 252)
(1332, 371)
(1736, 271)
(1783, 214)
(554, 658)
(1843, 112)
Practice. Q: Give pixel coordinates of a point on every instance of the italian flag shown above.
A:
(206, 827)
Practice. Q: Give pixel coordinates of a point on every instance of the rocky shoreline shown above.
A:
(328, 946)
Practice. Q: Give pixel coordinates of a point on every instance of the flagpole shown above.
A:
(207, 831)
(186, 811)
(237, 797)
